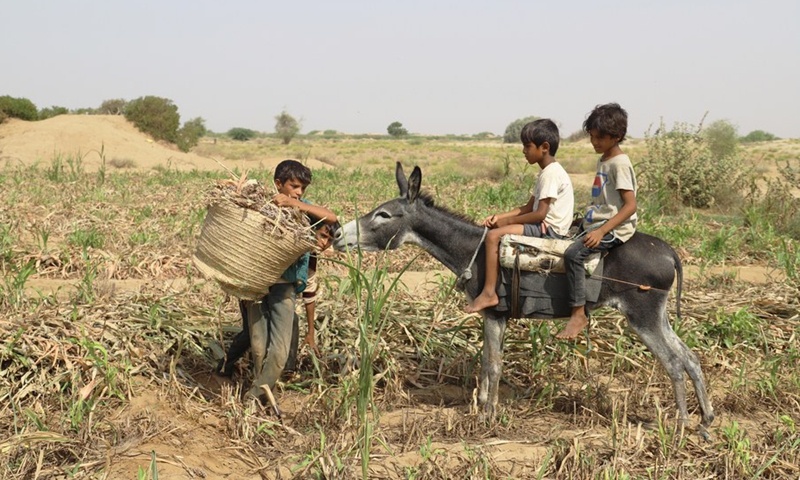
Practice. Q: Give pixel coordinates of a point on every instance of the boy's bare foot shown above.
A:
(575, 325)
(484, 300)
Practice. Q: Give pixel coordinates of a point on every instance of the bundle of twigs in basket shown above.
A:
(248, 241)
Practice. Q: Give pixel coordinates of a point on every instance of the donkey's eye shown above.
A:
(382, 214)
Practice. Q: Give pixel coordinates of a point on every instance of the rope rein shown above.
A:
(467, 273)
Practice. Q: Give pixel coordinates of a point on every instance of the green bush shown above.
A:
(241, 134)
(577, 136)
(114, 106)
(21, 108)
(680, 168)
(51, 112)
(396, 129)
(286, 127)
(190, 133)
(722, 139)
(155, 116)
(758, 136)
(514, 129)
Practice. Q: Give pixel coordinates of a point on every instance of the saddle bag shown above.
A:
(544, 255)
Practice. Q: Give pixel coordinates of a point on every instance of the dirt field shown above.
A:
(106, 370)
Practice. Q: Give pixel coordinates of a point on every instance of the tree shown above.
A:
(241, 134)
(286, 127)
(758, 136)
(722, 138)
(114, 106)
(514, 129)
(155, 116)
(51, 112)
(189, 135)
(396, 129)
(21, 108)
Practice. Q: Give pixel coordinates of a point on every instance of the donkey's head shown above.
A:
(389, 225)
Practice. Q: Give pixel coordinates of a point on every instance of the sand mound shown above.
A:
(123, 145)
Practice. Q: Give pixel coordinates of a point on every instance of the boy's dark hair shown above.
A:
(609, 119)
(292, 169)
(539, 131)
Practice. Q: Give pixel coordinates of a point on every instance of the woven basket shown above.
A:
(245, 251)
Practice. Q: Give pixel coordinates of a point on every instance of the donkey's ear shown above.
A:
(414, 182)
(401, 180)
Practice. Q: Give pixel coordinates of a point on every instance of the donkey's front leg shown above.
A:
(494, 328)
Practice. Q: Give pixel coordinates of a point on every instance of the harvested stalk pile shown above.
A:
(247, 241)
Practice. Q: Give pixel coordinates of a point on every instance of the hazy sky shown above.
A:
(438, 67)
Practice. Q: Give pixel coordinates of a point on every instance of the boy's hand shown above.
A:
(283, 200)
(593, 238)
(490, 221)
(312, 343)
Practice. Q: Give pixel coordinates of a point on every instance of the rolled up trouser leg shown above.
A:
(278, 312)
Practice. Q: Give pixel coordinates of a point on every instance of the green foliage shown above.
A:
(155, 116)
(21, 108)
(514, 129)
(722, 138)
(758, 136)
(483, 135)
(51, 112)
(680, 168)
(114, 106)
(396, 129)
(577, 136)
(241, 134)
(286, 127)
(190, 133)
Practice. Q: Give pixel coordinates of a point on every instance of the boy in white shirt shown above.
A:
(548, 213)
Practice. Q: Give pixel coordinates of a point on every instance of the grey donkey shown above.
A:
(453, 240)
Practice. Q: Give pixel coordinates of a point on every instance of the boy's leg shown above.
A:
(488, 296)
(291, 362)
(238, 347)
(279, 310)
(574, 258)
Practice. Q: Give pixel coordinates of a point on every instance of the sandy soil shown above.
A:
(122, 145)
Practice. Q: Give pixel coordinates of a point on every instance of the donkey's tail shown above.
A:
(679, 269)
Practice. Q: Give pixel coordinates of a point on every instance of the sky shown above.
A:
(438, 67)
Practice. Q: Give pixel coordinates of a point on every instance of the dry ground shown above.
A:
(565, 413)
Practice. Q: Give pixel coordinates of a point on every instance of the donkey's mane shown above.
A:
(429, 202)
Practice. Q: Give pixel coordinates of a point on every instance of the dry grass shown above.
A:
(96, 378)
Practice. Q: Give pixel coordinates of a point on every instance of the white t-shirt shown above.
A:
(613, 175)
(554, 183)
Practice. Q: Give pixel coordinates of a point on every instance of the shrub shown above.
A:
(396, 129)
(51, 112)
(155, 116)
(483, 135)
(190, 133)
(722, 138)
(241, 134)
(286, 127)
(21, 108)
(680, 168)
(514, 129)
(577, 136)
(758, 136)
(115, 106)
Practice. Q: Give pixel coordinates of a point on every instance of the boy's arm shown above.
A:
(503, 219)
(593, 238)
(527, 214)
(318, 211)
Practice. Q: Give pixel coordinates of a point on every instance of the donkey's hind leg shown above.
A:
(668, 349)
(692, 365)
(494, 327)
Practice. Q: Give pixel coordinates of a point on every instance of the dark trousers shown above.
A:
(574, 258)
(241, 344)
